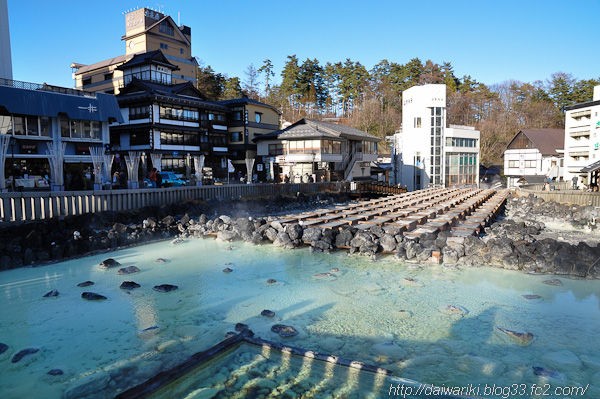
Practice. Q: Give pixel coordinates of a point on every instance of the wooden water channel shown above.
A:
(461, 211)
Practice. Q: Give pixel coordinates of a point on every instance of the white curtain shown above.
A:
(97, 154)
(198, 165)
(133, 162)
(271, 171)
(156, 161)
(108, 161)
(249, 167)
(56, 158)
(4, 143)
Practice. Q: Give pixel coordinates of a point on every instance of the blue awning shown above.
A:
(95, 107)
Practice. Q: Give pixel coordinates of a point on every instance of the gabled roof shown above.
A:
(547, 141)
(172, 22)
(247, 100)
(139, 89)
(307, 129)
(155, 57)
(101, 64)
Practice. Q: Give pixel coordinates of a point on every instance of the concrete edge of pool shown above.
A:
(165, 378)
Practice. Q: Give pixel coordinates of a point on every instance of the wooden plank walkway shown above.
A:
(463, 212)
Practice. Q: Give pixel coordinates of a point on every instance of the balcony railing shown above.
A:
(17, 84)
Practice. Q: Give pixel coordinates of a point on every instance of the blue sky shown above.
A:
(524, 40)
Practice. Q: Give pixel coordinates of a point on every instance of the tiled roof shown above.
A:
(547, 141)
(247, 100)
(307, 128)
(150, 57)
(101, 64)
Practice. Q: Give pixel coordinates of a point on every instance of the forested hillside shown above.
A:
(371, 100)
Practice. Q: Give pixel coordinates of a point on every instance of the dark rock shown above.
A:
(129, 285)
(311, 234)
(271, 234)
(241, 327)
(28, 256)
(161, 260)
(92, 296)
(283, 240)
(284, 331)
(294, 231)
(531, 296)
(227, 270)
(22, 353)
(343, 238)
(230, 334)
(55, 372)
(412, 249)
(271, 281)
(227, 235)
(388, 243)
(108, 263)
(267, 313)
(53, 293)
(555, 282)
(3, 348)
(119, 228)
(165, 288)
(168, 221)
(128, 270)
(85, 284)
(544, 372)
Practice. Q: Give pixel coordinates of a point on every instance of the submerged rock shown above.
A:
(109, 263)
(544, 372)
(49, 294)
(22, 353)
(531, 296)
(227, 270)
(521, 338)
(55, 372)
(455, 310)
(3, 348)
(92, 296)
(241, 327)
(271, 281)
(165, 288)
(129, 285)
(161, 260)
(128, 270)
(284, 331)
(85, 284)
(267, 313)
(555, 282)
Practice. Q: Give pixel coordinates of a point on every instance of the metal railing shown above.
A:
(17, 84)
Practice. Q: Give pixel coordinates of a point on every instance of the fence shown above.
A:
(44, 205)
(562, 193)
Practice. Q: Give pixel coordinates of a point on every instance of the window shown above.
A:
(164, 46)
(32, 126)
(236, 115)
(5, 124)
(181, 51)
(166, 27)
(139, 138)
(236, 136)
(108, 76)
(513, 164)
(141, 112)
(86, 81)
(80, 129)
(257, 117)
(275, 149)
(530, 164)
(179, 138)
(418, 122)
(177, 113)
(19, 125)
(45, 126)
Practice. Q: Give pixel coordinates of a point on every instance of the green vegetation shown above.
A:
(371, 100)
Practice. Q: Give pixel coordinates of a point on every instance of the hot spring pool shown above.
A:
(384, 312)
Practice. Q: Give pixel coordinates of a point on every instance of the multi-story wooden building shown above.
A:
(318, 151)
(49, 134)
(146, 30)
(169, 123)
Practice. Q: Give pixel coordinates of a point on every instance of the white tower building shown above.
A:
(5, 56)
(431, 154)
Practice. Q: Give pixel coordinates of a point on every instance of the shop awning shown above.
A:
(91, 107)
(591, 167)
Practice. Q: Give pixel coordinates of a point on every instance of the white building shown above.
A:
(582, 140)
(535, 155)
(5, 57)
(426, 151)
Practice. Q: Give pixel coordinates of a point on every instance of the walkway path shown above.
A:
(462, 211)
